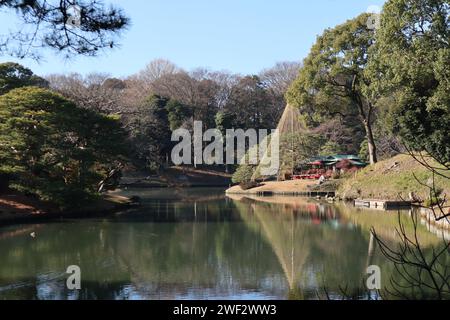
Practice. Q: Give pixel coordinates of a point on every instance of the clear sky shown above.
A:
(242, 36)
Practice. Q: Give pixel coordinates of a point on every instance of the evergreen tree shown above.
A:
(51, 148)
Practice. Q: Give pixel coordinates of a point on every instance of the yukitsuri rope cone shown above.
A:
(289, 124)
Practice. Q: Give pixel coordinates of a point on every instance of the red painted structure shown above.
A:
(327, 166)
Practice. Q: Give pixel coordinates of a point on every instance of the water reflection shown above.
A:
(204, 247)
(318, 243)
(315, 246)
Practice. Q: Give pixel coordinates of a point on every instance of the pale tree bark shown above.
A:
(371, 143)
(369, 133)
(366, 117)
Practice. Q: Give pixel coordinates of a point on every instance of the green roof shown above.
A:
(333, 159)
(359, 163)
(340, 157)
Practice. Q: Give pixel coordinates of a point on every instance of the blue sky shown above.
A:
(241, 36)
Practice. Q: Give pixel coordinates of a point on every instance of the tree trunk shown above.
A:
(366, 118)
(371, 143)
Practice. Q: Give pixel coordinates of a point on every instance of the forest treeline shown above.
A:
(163, 97)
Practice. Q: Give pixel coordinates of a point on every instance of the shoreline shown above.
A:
(176, 177)
(285, 188)
(18, 209)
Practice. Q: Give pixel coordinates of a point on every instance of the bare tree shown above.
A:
(252, 104)
(157, 69)
(276, 81)
(134, 93)
(179, 86)
(280, 76)
(196, 89)
(225, 82)
(419, 273)
(95, 91)
(251, 99)
(340, 133)
(438, 203)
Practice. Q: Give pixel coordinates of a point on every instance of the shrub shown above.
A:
(243, 174)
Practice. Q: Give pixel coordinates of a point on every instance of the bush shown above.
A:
(243, 174)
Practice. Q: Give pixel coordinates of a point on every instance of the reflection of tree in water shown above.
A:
(288, 239)
(335, 254)
(202, 250)
(386, 223)
(221, 257)
(126, 259)
(36, 267)
(168, 259)
(312, 249)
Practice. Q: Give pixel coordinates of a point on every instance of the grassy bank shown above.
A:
(391, 179)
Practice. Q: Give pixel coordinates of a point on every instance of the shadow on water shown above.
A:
(204, 247)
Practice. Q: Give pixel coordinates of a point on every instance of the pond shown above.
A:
(200, 244)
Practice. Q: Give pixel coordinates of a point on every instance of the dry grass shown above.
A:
(392, 179)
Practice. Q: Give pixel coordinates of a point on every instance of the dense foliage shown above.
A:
(51, 148)
(243, 174)
(150, 135)
(410, 64)
(332, 81)
(393, 80)
(13, 75)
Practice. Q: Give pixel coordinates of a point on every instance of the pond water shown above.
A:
(199, 244)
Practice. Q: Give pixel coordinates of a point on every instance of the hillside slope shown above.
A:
(392, 179)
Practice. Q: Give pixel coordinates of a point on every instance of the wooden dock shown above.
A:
(383, 204)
